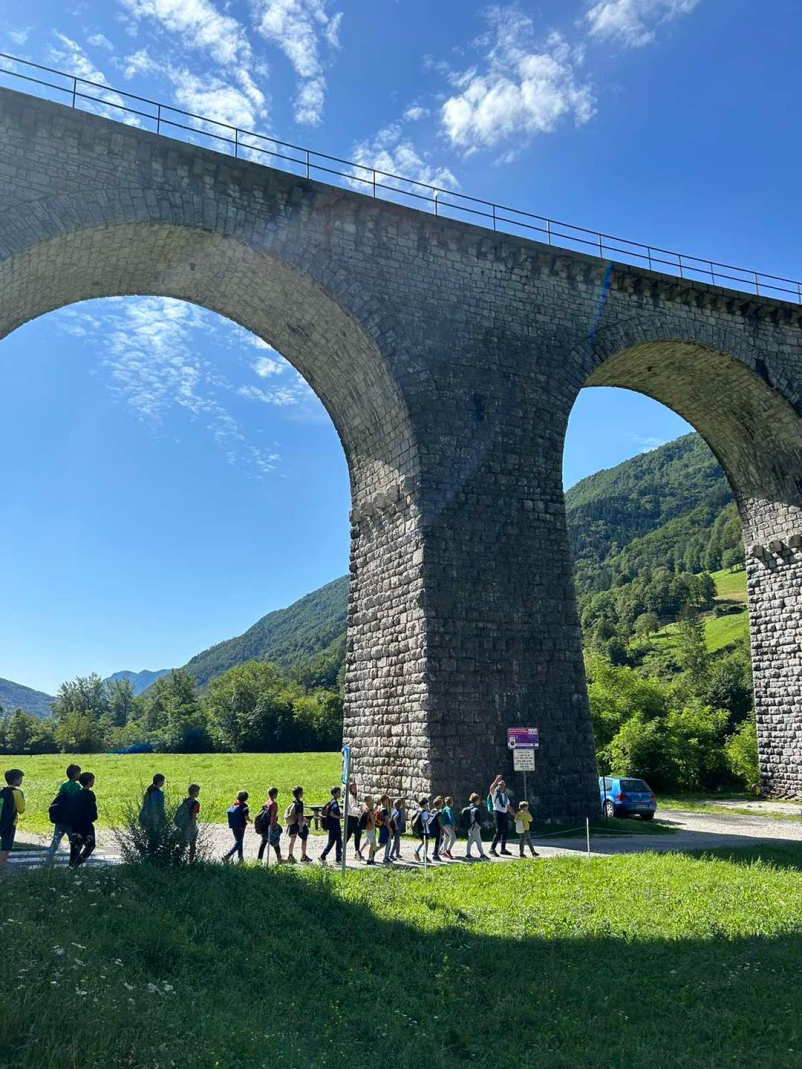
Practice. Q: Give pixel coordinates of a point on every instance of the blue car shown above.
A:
(624, 796)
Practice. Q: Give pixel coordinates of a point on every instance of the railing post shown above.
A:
(494, 217)
(548, 230)
(649, 257)
(435, 202)
(679, 261)
(712, 273)
(158, 118)
(757, 285)
(307, 163)
(236, 142)
(374, 183)
(74, 90)
(601, 247)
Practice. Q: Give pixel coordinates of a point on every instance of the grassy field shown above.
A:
(123, 777)
(665, 961)
(720, 631)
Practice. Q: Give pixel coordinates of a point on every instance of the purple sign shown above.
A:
(523, 739)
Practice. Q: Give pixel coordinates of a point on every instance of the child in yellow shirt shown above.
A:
(523, 818)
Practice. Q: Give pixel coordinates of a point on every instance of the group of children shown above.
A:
(381, 824)
(375, 825)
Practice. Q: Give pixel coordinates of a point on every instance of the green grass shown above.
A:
(121, 778)
(730, 586)
(720, 631)
(666, 961)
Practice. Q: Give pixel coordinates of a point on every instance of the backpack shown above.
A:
(466, 817)
(289, 814)
(378, 819)
(490, 803)
(417, 823)
(324, 816)
(262, 821)
(7, 808)
(236, 817)
(363, 820)
(183, 815)
(57, 810)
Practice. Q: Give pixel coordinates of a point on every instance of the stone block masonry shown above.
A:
(449, 359)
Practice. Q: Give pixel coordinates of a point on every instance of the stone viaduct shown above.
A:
(449, 358)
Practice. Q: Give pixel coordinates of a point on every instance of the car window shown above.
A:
(634, 785)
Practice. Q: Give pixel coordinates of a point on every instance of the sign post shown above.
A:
(345, 779)
(523, 742)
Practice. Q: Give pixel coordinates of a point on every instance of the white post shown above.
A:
(587, 832)
(346, 773)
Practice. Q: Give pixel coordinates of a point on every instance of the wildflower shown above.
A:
(80, 947)
(58, 950)
(78, 991)
(128, 987)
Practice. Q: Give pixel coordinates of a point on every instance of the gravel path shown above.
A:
(693, 831)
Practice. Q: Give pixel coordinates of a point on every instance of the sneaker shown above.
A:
(370, 862)
(290, 860)
(535, 853)
(493, 851)
(505, 851)
(387, 861)
(483, 857)
(323, 861)
(306, 859)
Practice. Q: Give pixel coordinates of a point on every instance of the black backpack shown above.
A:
(57, 811)
(261, 824)
(363, 820)
(417, 823)
(467, 822)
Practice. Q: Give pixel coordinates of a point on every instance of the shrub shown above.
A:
(741, 753)
(162, 843)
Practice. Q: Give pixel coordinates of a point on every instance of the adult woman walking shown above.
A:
(502, 811)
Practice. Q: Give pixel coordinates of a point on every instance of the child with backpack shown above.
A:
(267, 825)
(186, 819)
(238, 820)
(331, 821)
(383, 825)
(367, 822)
(420, 826)
(59, 808)
(523, 818)
(297, 825)
(435, 827)
(151, 815)
(82, 817)
(397, 827)
(12, 805)
(472, 821)
(448, 822)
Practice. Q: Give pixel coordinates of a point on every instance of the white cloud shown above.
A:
(198, 25)
(633, 22)
(391, 151)
(70, 56)
(19, 37)
(524, 88)
(298, 27)
(265, 367)
(151, 356)
(647, 443)
(139, 63)
(99, 40)
(216, 98)
(414, 113)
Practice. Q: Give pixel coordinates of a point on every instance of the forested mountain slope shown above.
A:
(15, 696)
(139, 680)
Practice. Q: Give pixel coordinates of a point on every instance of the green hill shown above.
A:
(313, 625)
(15, 696)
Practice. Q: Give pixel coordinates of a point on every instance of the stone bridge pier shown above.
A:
(449, 358)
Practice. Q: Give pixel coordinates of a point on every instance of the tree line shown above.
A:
(253, 707)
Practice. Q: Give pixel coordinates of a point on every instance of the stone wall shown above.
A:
(449, 358)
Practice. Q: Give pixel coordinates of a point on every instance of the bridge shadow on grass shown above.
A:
(665, 962)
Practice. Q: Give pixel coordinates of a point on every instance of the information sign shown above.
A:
(523, 739)
(523, 759)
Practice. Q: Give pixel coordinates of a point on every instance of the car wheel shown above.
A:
(608, 809)
(647, 816)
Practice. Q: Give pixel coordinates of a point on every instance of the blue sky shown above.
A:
(168, 478)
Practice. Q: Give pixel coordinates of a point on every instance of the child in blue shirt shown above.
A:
(398, 826)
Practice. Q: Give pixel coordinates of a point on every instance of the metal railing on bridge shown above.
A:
(247, 144)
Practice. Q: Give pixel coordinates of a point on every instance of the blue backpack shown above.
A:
(236, 816)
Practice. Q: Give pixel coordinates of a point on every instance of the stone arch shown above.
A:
(329, 334)
(750, 417)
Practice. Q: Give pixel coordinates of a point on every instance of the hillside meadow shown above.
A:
(123, 777)
(662, 961)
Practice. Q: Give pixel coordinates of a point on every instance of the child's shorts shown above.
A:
(302, 831)
(7, 838)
